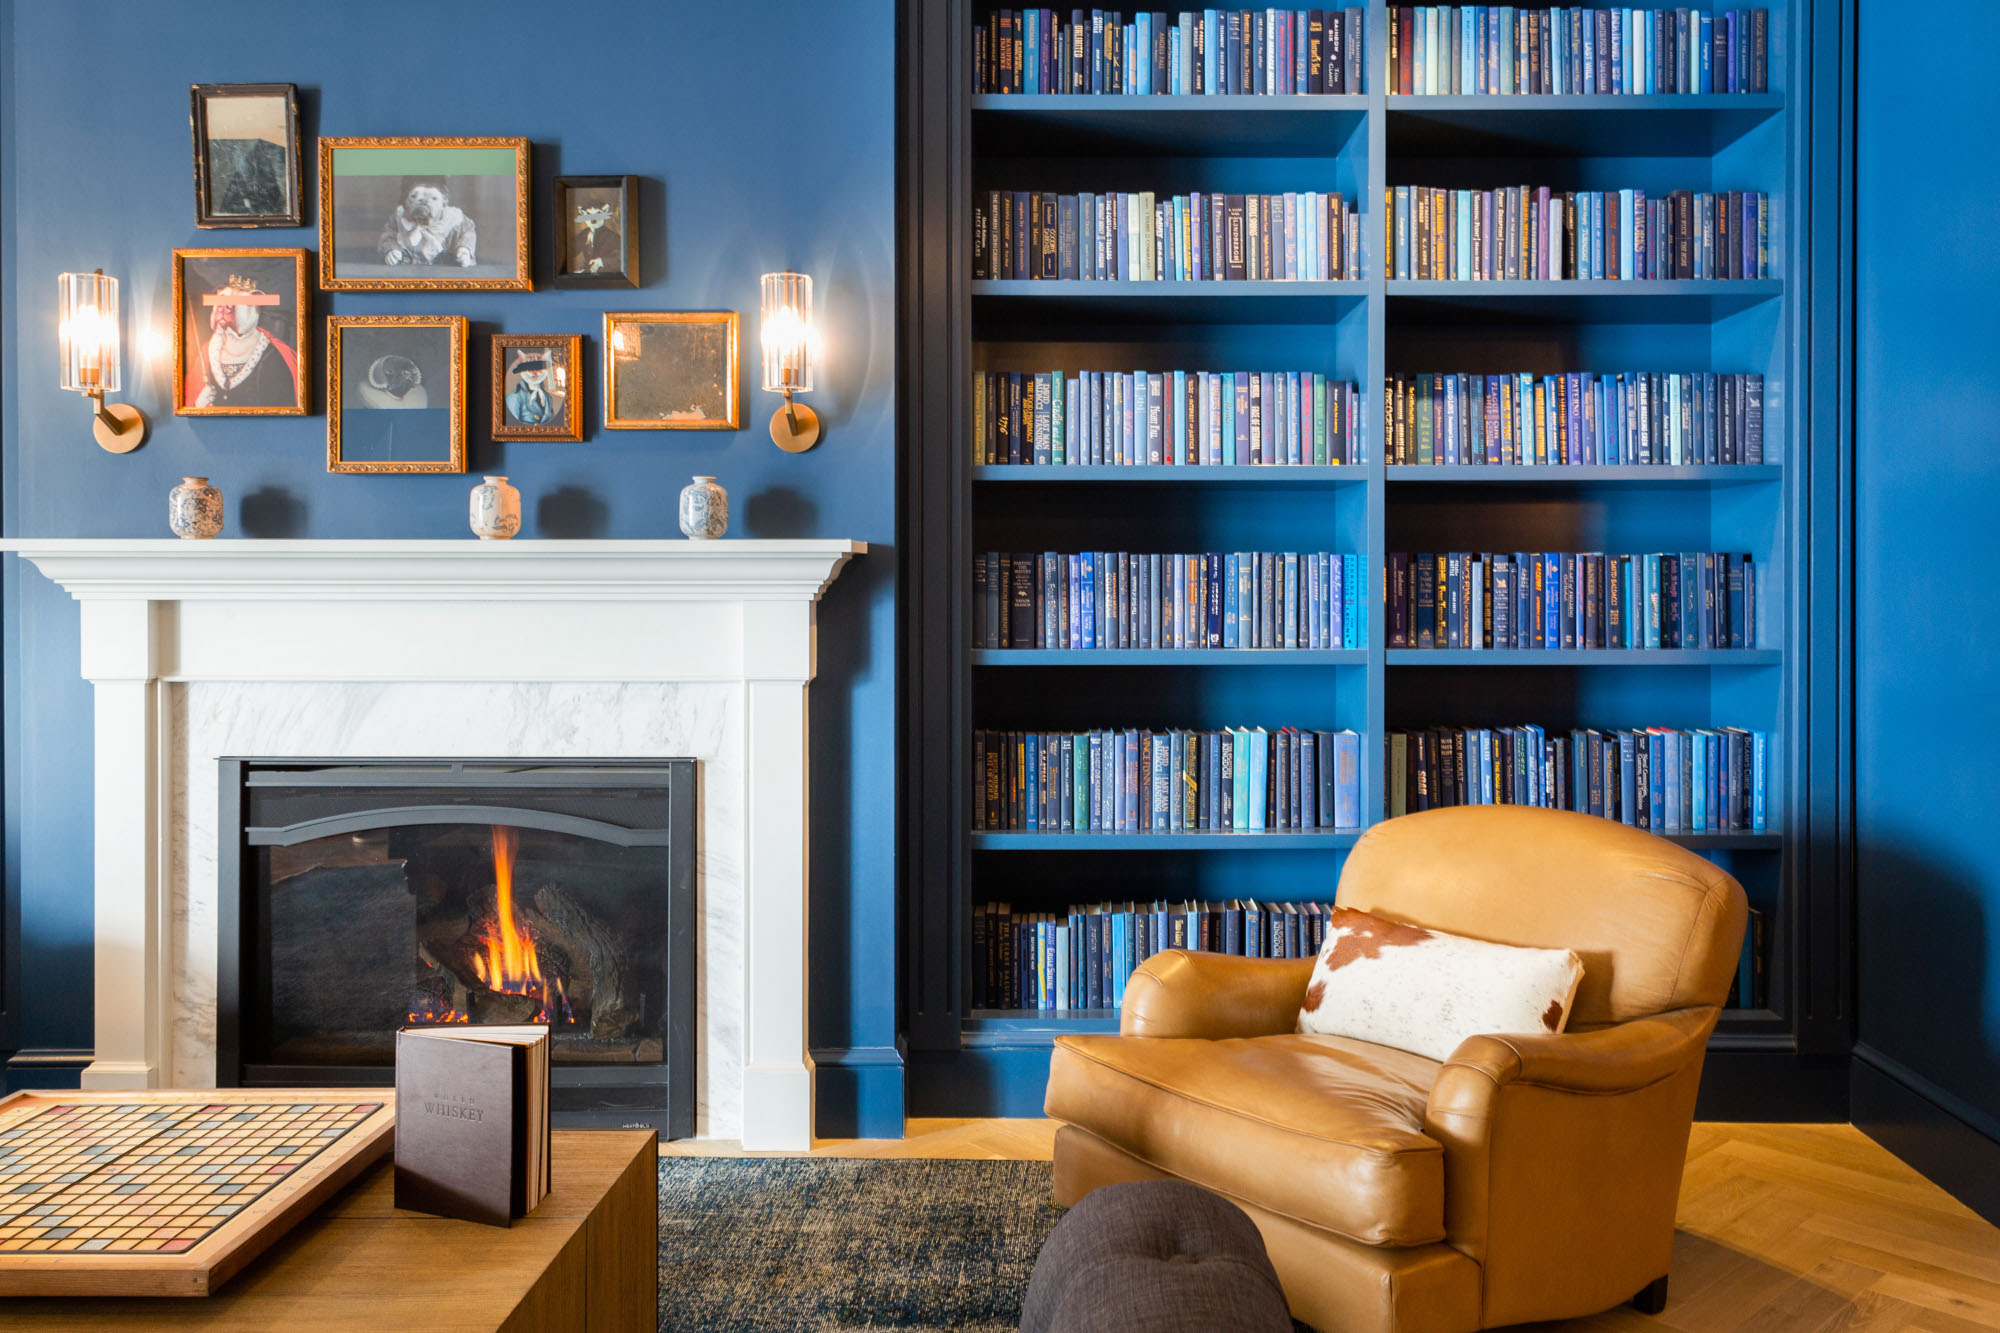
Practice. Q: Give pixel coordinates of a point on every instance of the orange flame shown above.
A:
(511, 964)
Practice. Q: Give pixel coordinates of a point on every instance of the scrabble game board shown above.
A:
(148, 1193)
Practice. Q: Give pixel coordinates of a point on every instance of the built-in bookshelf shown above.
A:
(1651, 383)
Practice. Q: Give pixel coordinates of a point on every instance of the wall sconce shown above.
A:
(87, 342)
(791, 345)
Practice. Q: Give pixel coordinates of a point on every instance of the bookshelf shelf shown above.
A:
(1287, 302)
(1598, 301)
(1010, 124)
(1668, 125)
(1356, 331)
(1637, 476)
(1206, 840)
(1586, 657)
(1169, 657)
(1232, 477)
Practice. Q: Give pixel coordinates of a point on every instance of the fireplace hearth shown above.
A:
(360, 896)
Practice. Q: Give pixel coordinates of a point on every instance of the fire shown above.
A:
(510, 965)
(503, 954)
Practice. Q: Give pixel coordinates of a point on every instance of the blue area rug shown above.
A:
(776, 1244)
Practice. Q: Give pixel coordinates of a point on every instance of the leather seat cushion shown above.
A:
(1325, 1130)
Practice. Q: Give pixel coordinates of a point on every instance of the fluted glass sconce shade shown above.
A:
(87, 332)
(791, 345)
(87, 350)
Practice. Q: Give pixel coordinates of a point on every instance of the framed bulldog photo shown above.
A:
(242, 329)
(536, 386)
(670, 371)
(597, 231)
(424, 215)
(246, 155)
(395, 393)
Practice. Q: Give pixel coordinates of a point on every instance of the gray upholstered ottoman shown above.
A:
(1160, 1256)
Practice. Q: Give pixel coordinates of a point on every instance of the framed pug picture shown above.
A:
(395, 393)
(597, 231)
(536, 386)
(424, 214)
(241, 332)
(670, 372)
(246, 155)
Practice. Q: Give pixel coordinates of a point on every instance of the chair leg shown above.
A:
(1652, 1298)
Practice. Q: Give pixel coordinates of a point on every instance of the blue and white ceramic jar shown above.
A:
(496, 510)
(704, 510)
(194, 509)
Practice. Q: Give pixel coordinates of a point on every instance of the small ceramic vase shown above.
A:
(496, 510)
(704, 510)
(194, 509)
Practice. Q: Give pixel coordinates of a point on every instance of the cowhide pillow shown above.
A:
(1425, 991)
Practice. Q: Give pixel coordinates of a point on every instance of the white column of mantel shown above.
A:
(779, 660)
(120, 657)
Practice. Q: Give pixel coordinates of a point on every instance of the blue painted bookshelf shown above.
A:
(1360, 330)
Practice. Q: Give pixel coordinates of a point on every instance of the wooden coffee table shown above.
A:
(587, 1259)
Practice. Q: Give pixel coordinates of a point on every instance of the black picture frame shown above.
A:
(251, 165)
(569, 267)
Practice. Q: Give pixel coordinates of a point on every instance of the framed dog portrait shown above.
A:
(536, 386)
(670, 372)
(246, 155)
(597, 231)
(424, 214)
(395, 393)
(241, 328)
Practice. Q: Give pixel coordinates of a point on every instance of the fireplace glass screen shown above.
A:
(377, 896)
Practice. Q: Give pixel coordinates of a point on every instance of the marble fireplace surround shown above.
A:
(454, 649)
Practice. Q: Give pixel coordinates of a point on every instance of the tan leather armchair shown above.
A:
(1527, 1177)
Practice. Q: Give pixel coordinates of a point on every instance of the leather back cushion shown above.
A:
(1657, 927)
(1426, 991)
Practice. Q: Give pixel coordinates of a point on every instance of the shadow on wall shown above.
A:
(272, 511)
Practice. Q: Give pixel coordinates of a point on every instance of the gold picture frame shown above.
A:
(234, 388)
(687, 379)
(423, 214)
(561, 396)
(384, 372)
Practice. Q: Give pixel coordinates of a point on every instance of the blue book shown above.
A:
(1241, 401)
(1346, 779)
(1552, 600)
(1353, 606)
(1160, 782)
(1260, 777)
(1759, 763)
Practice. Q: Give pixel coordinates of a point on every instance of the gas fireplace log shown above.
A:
(461, 1000)
(614, 1009)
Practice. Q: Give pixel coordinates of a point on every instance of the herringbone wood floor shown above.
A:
(1785, 1228)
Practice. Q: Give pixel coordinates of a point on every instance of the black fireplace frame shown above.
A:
(657, 1097)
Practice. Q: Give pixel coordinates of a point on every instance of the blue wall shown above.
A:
(764, 137)
(1927, 491)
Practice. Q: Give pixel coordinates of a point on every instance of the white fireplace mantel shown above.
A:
(157, 614)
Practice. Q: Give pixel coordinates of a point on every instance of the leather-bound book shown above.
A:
(472, 1121)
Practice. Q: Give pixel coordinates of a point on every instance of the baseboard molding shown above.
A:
(1779, 1086)
(859, 1091)
(45, 1067)
(1951, 1141)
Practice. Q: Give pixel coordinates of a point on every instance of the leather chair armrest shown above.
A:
(1620, 1058)
(1184, 993)
(1563, 1157)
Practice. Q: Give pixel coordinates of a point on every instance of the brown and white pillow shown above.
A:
(1424, 991)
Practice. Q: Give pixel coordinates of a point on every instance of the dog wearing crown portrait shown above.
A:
(427, 228)
(243, 364)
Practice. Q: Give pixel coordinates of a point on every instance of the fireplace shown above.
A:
(358, 896)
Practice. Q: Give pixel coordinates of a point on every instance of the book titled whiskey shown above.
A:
(472, 1121)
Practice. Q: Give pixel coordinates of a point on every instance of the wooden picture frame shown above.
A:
(248, 175)
(424, 215)
(382, 373)
(663, 386)
(228, 372)
(612, 204)
(559, 400)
